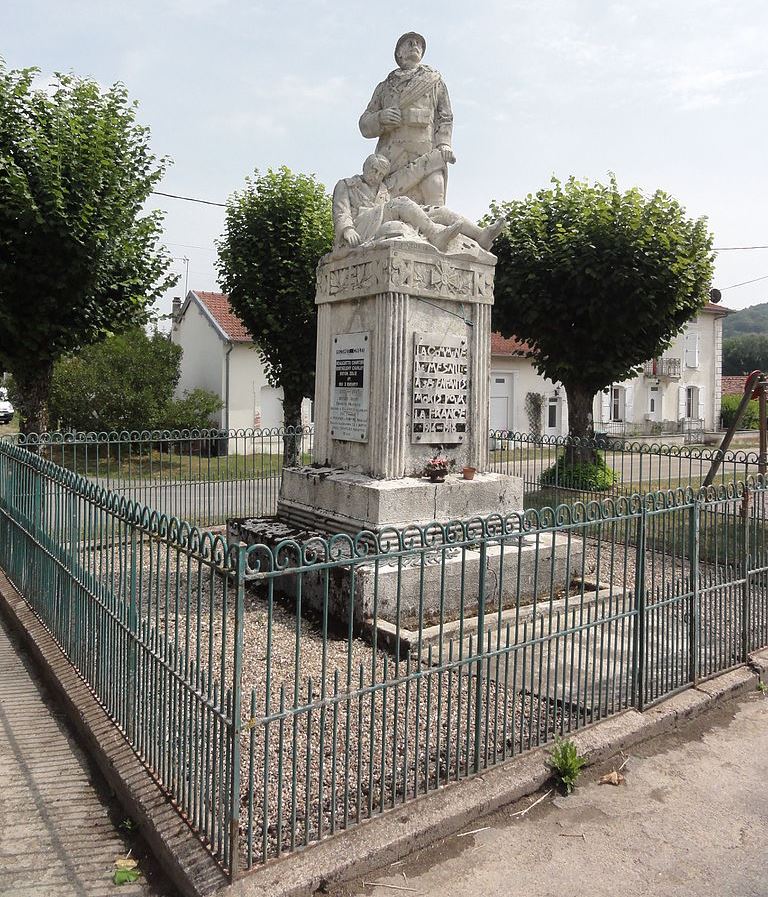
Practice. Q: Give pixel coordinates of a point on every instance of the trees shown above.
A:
(596, 281)
(276, 230)
(78, 259)
(744, 353)
(126, 382)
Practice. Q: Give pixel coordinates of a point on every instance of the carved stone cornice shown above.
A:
(399, 269)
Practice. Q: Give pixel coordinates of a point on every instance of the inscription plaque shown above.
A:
(440, 389)
(350, 386)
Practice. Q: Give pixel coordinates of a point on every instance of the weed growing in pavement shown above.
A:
(566, 763)
(762, 687)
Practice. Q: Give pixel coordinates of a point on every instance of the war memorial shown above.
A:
(402, 378)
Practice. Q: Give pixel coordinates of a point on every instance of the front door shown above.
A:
(552, 416)
(501, 410)
(654, 403)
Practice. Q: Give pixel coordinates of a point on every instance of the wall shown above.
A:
(202, 362)
(699, 348)
(527, 380)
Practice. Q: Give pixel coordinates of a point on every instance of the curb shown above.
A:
(420, 823)
(182, 855)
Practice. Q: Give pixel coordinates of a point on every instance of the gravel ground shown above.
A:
(342, 750)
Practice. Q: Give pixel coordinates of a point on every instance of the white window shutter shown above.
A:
(681, 403)
(605, 405)
(692, 347)
(628, 402)
(701, 404)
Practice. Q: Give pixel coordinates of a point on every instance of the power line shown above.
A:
(733, 248)
(744, 283)
(190, 246)
(205, 202)
(222, 205)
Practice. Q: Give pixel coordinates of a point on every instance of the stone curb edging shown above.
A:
(376, 843)
(183, 857)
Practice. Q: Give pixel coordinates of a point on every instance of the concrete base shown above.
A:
(427, 586)
(339, 501)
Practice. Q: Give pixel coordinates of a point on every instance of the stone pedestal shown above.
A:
(421, 323)
(340, 501)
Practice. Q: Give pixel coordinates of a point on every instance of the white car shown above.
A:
(6, 409)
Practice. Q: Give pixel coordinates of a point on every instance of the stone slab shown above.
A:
(423, 585)
(334, 500)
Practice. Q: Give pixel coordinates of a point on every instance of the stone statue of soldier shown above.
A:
(410, 113)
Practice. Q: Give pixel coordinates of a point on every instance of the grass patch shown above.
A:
(113, 463)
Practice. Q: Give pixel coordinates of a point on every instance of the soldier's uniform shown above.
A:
(427, 122)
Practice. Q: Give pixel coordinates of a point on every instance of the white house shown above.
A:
(676, 393)
(219, 355)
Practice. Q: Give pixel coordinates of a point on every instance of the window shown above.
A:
(552, 414)
(617, 403)
(691, 402)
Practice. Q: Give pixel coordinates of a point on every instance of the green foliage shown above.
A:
(596, 281)
(78, 257)
(276, 230)
(126, 382)
(126, 876)
(566, 763)
(729, 407)
(745, 353)
(534, 402)
(197, 408)
(747, 320)
(762, 687)
(573, 473)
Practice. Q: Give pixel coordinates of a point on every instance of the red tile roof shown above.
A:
(734, 386)
(501, 345)
(218, 305)
(718, 309)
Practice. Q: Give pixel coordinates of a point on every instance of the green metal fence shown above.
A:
(638, 468)
(209, 476)
(201, 476)
(283, 692)
(149, 611)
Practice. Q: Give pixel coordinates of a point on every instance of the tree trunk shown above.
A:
(292, 438)
(580, 424)
(33, 388)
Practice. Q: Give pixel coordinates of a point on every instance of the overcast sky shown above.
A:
(665, 93)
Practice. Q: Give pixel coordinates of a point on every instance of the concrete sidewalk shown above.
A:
(58, 827)
(691, 819)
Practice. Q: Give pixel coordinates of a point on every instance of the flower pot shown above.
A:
(437, 476)
(469, 473)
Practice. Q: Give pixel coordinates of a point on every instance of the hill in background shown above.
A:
(749, 320)
(745, 340)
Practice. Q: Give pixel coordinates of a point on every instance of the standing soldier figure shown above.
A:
(411, 114)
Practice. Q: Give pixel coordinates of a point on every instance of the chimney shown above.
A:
(175, 312)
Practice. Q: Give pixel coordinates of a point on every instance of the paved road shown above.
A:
(691, 819)
(59, 834)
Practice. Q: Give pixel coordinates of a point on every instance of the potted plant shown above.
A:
(436, 469)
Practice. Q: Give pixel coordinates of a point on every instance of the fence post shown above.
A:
(236, 723)
(133, 639)
(745, 589)
(638, 678)
(480, 648)
(694, 612)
